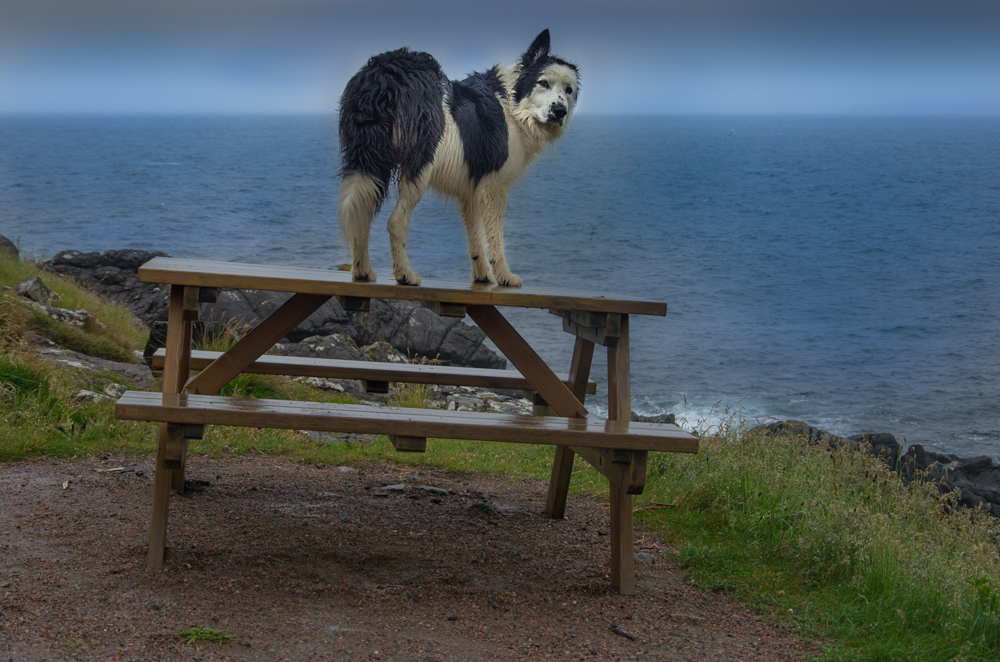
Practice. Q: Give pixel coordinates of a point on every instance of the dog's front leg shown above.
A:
(473, 221)
(493, 205)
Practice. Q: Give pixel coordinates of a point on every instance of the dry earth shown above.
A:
(304, 562)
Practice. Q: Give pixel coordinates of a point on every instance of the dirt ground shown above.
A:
(306, 562)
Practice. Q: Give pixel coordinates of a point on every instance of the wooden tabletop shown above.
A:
(235, 275)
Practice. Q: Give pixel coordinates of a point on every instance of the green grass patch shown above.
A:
(100, 345)
(834, 544)
(196, 634)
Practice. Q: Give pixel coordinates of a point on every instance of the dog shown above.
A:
(402, 120)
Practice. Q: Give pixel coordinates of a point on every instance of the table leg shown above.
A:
(177, 475)
(620, 408)
(562, 465)
(177, 331)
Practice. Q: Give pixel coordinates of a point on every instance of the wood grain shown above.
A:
(204, 273)
(622, 542)
(410, 373)
(360, 419)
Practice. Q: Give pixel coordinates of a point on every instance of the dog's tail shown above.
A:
(391, 121)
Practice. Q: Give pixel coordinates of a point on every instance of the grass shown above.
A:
(830, 542)
(834, 544)
(196, 634)
(115, 338)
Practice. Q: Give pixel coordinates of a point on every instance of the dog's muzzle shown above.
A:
(557, 113)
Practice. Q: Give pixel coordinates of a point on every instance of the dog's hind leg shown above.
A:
(473, 221)
(360, 196)
(493, 206)
(410, 193)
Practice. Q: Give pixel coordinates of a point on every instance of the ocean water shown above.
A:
(842, 271)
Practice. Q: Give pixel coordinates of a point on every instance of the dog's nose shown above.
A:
(559, 112)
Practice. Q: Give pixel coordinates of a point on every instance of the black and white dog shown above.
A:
(470, 140)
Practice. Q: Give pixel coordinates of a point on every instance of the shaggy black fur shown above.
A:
(475, 107)
(391, 119)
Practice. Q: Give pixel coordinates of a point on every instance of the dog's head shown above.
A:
(547, 86)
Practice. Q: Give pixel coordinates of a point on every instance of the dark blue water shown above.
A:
(844, 271)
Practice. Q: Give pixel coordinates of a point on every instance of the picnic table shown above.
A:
(616, 447)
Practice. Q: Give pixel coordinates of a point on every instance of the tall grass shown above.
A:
(833, 541)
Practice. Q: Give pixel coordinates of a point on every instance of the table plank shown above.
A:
(235, 275)
(362, 419)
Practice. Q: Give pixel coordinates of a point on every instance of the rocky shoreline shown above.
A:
(401, 331)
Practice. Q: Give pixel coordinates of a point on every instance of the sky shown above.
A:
(635, 56)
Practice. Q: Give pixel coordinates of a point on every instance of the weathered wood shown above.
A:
(208, 294)
(191, 301)
(594, 335)
(623, 468)
(442, 309)
(203, 273)
(175, 373)
(360, 419)
(622, 542)
(409, 444)
(355, 304)
(193, 431)
(410, 373)
(619, 387)
(525, 359)
(251, 346)
(161, 497)
(609, 322)
(375, 386)
(562, 463)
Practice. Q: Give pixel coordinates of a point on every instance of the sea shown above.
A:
(843, 271)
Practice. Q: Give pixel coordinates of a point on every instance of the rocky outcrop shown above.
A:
(8, 245)
(114, 274)
(137, 374)
(977, 479)
(406, 325)
(36, 290)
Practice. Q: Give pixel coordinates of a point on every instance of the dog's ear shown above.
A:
(539, 48)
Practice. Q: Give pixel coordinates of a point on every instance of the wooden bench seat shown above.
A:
(371, 371)
(586, 432)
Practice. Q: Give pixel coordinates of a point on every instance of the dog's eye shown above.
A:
(544, 84)
(569, 90)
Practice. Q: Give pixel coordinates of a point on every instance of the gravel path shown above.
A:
(304, 562)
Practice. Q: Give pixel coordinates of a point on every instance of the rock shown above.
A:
(469, 398)
(644, 557)
(8, 245)
(90, 396)
(347, 470)
(433, 490)
(661, 418)
(37, 291)
(114, 390)
(483, 509)
(139, 375)
(114, 274)
(78, 318)
(383, 352)
(336, 346)
(401, 487)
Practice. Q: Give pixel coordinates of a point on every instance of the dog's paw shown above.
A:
(366, 277)
(408, 278)
(509, 280)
